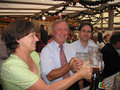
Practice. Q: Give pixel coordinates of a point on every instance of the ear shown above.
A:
(52, 32)
(18, 41)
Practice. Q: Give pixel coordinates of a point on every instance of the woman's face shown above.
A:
(28, 42)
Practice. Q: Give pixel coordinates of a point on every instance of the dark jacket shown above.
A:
(44, 36)
(111, 59)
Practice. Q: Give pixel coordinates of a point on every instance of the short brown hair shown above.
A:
(16, 30)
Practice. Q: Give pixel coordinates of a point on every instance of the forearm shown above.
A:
(65, 83)
(60, 85)
(57, 73)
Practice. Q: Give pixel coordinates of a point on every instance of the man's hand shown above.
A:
(75, 64)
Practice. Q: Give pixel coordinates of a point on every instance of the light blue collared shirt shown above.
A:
(50, 59)
(77, 47)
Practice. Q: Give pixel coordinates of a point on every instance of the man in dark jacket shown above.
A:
(111, 57)
(44, 34)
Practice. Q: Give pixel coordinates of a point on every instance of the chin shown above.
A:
(33, 49)
(63, 41)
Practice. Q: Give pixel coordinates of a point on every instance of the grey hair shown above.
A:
(58, 21)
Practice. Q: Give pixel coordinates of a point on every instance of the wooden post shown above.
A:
(110, 19)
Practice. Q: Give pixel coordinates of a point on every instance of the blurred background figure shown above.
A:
(3, 56)
(39, 44)
(106, 38)
(3, 50)
(44, 34)
(74, 37)
(111, 57)
(97, 34)
(103, 32)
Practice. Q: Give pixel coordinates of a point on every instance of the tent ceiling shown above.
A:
(30, 7)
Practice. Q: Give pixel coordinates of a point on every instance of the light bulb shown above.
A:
(43, 17)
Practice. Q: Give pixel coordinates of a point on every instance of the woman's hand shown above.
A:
(85, 70)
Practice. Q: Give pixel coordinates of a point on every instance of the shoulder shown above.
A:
(92, 43)
(48, 46)
(48, 49)
(13, 61)
(74, 44)
(13, 64)
(107, 48)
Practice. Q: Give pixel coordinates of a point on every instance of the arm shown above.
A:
(57, 73)
(73, 65)
(84, 72)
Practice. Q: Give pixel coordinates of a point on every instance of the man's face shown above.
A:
(85, 33)
(60, 32)
(118, 45)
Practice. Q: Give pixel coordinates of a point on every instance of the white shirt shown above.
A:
(50, 59)
(77, 47)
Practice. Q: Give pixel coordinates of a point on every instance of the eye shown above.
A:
(66, 29)
(33, 34)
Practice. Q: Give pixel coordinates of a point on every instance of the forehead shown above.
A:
(61, 24)
(86, 27)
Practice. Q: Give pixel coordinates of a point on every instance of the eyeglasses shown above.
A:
(86, 31)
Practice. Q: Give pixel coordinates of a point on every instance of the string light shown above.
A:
(43, 17)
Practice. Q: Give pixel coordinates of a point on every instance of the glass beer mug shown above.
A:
(82, 55)
(96, 62)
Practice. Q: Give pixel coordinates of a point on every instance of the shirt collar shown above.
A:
(57, 45)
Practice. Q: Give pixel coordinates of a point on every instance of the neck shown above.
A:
(60, 43)
(84, 43)
(22, 54)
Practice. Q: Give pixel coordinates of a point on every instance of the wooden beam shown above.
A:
(32, 3)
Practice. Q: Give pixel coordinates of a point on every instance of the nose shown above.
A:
(36, 38)
(63, 31)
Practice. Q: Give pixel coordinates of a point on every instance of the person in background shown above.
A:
(100, 45)
(3, 55)
(3, 50)
(69, 40)
(82, 45)
(106, 38)
(74, 37)
(50, 36)
(97, 34)
(39, 44)
(103, 31)
(51, 64)
(21, 70)
(111, 57)
(44, 34)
